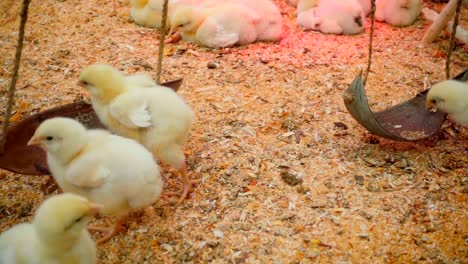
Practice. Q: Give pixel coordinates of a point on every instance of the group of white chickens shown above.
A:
(115, 171)
(218, 24)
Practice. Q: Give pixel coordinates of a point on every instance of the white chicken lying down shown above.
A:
(56, 235)
(270, 26)
(451, 97)
(111, 170)
(331, 16)
(216, 27)
(398, 13)
(148, 13)
(156, 117)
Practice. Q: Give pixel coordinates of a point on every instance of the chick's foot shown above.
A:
(110, 232)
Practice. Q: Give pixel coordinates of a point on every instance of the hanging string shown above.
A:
(369, 59)
(162, 37)
(452, 39)
(14, 78)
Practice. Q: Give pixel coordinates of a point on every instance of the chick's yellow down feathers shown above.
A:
(157, 117)
(451, 97)
(111, 170)
(57, 234)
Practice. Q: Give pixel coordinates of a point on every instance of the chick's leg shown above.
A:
(110, 231)
(187, 184)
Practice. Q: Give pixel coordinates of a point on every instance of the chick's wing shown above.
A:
(131, 110)
(87, 172)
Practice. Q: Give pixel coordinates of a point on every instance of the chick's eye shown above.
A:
(49, 138)
(85, 82)
(79, 219)
(433, 101)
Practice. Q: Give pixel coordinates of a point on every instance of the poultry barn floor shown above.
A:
(287, 175)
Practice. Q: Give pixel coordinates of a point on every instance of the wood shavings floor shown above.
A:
(357, 198)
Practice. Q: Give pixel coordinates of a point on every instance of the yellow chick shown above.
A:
(398, 13)
(148, 13)
(158, 118)
(219, 26)
(451, 97)
(111, 170)
(57, 234)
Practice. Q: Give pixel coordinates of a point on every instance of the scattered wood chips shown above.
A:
(264, 110)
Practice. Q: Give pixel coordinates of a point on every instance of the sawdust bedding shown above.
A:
(287, 176)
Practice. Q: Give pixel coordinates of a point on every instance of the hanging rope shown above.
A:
(162, 37)
(14, 78)
(452, 39)
(369, 59)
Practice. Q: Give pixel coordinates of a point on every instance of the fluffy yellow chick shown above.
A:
(57, 234)
(148, 13)
(111, 170)
(451, 97)
(398, 13)
(158, 117)
(216, 26)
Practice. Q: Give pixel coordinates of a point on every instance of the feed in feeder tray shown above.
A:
(407, 121)
(31, 160)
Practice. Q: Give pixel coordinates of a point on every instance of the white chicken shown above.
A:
(114, 171)
(332, 16)
(451, 97)
(56, 235)
(398, 13)
(270, 26)
(366, 6)
(218, 26)
(158, 117)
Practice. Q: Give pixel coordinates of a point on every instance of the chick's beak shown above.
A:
(94, 209)
(431, 107)
(34, 141)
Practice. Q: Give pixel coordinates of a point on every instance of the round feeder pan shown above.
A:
(407, 121)
(32, 160)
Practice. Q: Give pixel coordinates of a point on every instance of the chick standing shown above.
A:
(57, 234)
(157, 117)
(398, 13)
(114, 171)
(451, 97)
(218, 26)
(331, 16)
